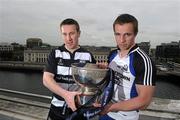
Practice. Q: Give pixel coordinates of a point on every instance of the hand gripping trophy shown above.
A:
(96, 85)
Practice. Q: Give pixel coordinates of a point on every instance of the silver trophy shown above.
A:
(92, 81)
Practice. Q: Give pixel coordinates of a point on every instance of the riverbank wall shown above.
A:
(12, 65)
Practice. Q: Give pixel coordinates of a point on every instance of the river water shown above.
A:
(31, 82)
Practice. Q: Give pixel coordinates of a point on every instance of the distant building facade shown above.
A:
(6, 47)
(18, 53)
(36, 51)
(37, 55)
(168, 51)
(33, 42)
(145, 46)
(6, 51)
(99, 53)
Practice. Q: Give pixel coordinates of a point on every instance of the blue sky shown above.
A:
(159, 20)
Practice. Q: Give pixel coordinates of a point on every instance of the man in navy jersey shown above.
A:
(57, 75)
(135, 73)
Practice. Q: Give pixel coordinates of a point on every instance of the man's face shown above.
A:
(124, 35)
(70, 36)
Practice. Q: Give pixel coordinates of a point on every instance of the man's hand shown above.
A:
(96, 104)
(106, 109)
(69, 98)
(102, 65)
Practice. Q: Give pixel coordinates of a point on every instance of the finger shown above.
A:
(73, 107)
(77, 93)
(96, 105)
(103, 112)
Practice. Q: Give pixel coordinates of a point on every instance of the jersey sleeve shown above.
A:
(145, 71)
(111, 55)
(51, 63)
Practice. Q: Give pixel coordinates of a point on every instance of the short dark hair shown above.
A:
(126, 18)
(70, 21)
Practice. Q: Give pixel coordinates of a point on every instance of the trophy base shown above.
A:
(87, 98)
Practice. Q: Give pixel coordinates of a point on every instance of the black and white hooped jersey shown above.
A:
(135, 68)
(59, 63)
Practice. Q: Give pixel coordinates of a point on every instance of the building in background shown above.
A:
(33, 42)
(145, 46)
(168, 52)
(36, 51)
(18, 52)
(6, 51)
(99, 53)
(36, 55)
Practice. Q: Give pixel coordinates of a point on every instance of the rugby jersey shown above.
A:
(59, 63)
(135, 68)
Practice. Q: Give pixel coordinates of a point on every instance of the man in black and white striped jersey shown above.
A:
(134, 73)
(57, 73)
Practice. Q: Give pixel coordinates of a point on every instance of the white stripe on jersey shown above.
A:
(56, 102)
(82, 56)
(148, 68)
(63, 70)
(64, 55)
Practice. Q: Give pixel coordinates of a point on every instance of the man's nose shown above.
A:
(69, 37)
(122, 39)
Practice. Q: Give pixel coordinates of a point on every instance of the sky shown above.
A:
(159, 20)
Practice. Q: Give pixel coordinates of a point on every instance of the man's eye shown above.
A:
(116, 34)
(64, 34)
(127, 34)
(72, 33)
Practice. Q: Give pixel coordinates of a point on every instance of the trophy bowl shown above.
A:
(91, 79)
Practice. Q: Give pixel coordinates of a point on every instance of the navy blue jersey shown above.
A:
(135, 68)
(59, 63)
